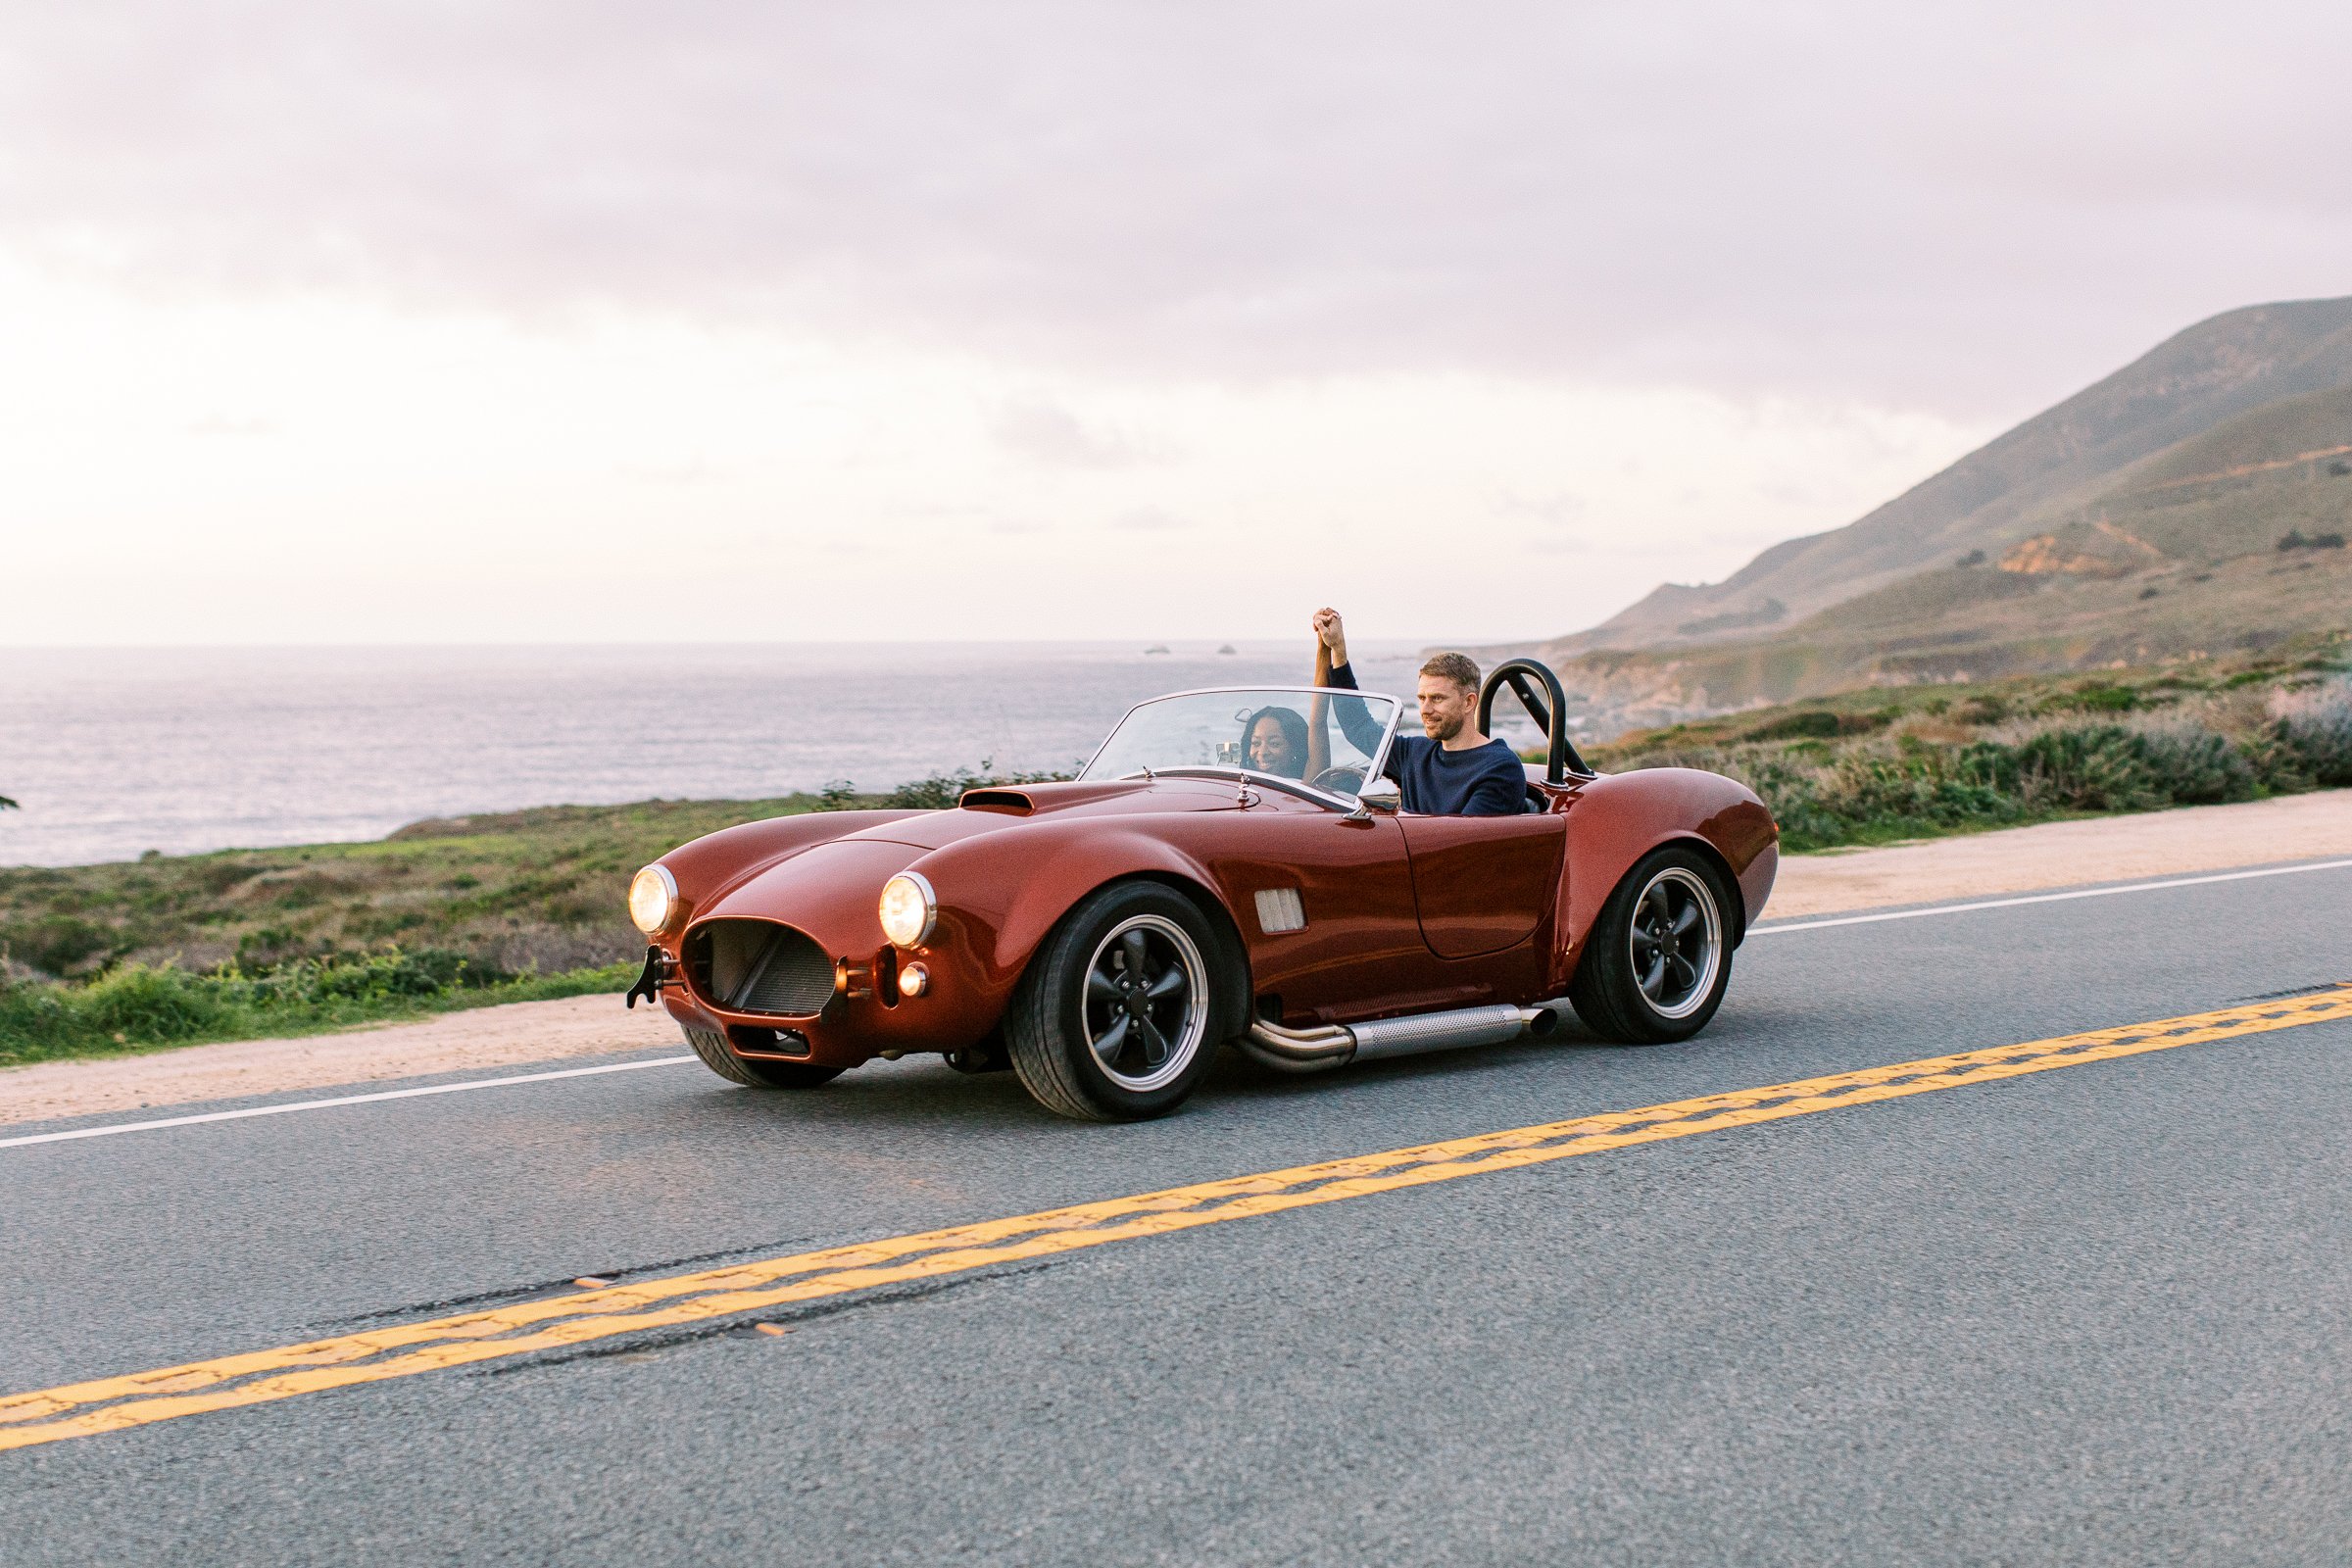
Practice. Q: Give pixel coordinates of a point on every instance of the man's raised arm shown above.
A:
(1356, 718)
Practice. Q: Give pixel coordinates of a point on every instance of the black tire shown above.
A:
(1094, 1036)
(712, 1049)
(1659, 957)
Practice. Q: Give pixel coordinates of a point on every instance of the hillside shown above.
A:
(2157, 516)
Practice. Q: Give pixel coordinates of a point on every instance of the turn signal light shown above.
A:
(913, 980)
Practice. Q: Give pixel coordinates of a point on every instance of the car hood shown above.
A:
(1008, 807)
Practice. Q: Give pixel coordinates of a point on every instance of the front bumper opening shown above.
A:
(759, 966)
(749, 1040)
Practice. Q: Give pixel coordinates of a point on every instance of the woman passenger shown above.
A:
(1274, 741)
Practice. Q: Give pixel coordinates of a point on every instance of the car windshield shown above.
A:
(1325, 740)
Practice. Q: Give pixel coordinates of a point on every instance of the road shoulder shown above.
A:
(511, 1034)
(2064, 854)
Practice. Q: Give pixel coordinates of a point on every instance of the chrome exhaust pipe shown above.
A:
(1335, 1045)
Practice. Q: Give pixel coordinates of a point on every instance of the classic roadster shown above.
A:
(1230, 868)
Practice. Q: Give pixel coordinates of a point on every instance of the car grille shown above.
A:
(760, 967)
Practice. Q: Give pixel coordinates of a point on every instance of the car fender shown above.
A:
(1618, 818)
(1020, 884)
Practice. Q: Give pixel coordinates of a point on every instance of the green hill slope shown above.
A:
(2191, 507)
(2186, 387)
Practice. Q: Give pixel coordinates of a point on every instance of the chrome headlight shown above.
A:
(653, 899)
(909, 908)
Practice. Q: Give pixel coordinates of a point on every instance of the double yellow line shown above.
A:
(110, 1404)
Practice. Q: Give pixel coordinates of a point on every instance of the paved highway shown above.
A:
(2101, 1313)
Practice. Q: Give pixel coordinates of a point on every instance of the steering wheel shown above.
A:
(1338, 780)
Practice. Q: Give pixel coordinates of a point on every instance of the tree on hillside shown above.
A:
(6, 805)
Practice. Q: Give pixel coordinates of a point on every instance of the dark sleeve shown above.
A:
(1501, 791)
(1356, 718)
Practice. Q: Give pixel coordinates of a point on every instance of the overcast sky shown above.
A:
(465, 321)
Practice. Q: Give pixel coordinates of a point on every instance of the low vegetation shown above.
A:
(251, 944)
(1874, 766)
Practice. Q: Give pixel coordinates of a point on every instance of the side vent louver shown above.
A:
(1279, 911)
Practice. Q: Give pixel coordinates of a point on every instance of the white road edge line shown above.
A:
(672, 1062)
(2046, 898)
(340, 1099)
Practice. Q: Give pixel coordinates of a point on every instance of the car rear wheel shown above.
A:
(1115, 1019)
(1659, 957)
(712, 1049)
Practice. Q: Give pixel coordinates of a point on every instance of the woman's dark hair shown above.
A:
(1293, 730)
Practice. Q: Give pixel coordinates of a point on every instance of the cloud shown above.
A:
(1149, 520)
(1958, 207)
(1048, 433)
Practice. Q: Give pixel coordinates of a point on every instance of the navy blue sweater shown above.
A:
(1477, 781)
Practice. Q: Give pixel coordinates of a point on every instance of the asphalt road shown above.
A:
(2095, 1316)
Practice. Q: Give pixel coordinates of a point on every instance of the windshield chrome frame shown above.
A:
(1372, 769)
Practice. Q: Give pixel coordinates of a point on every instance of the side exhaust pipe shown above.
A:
(1336, 1044)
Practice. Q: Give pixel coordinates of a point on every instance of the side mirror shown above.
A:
(1379, 795)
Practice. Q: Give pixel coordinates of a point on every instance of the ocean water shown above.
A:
(113, 752)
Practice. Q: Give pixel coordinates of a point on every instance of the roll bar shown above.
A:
(1521, 674)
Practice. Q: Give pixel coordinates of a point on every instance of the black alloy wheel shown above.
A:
(1657, 962)
(1116, 1017)
(712, 1049)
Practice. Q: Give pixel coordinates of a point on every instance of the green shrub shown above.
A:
(2093, 698)
(1817, 723)
(160, 1003)
(2194, 766)
(55, 944)
(2315, 729)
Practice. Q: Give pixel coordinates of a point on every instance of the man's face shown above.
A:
(1445, 708)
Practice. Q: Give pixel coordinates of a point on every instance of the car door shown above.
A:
(1481, 884)
(1324, 902)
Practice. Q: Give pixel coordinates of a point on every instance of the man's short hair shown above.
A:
(1459, 668)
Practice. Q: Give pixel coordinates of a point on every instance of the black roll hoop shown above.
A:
(1521, 674)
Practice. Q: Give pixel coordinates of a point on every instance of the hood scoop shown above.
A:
(1016, 801)
(1031, 799)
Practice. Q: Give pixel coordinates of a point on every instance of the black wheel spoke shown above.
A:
(1113, 1040)
(1101, 987)
(1155, 1044)
(1687, 922)
(1134, 950)
(1167, 986)
(1653, 975)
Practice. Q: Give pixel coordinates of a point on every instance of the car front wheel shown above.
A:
(1658, 958)
(1115, 1019)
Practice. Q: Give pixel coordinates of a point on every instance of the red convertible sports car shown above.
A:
(1231, 867)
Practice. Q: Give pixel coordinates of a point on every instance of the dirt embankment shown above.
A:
(2025, 859)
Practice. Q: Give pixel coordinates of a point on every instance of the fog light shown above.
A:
(913, 980)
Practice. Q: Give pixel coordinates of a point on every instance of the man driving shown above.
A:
(1448, 769)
